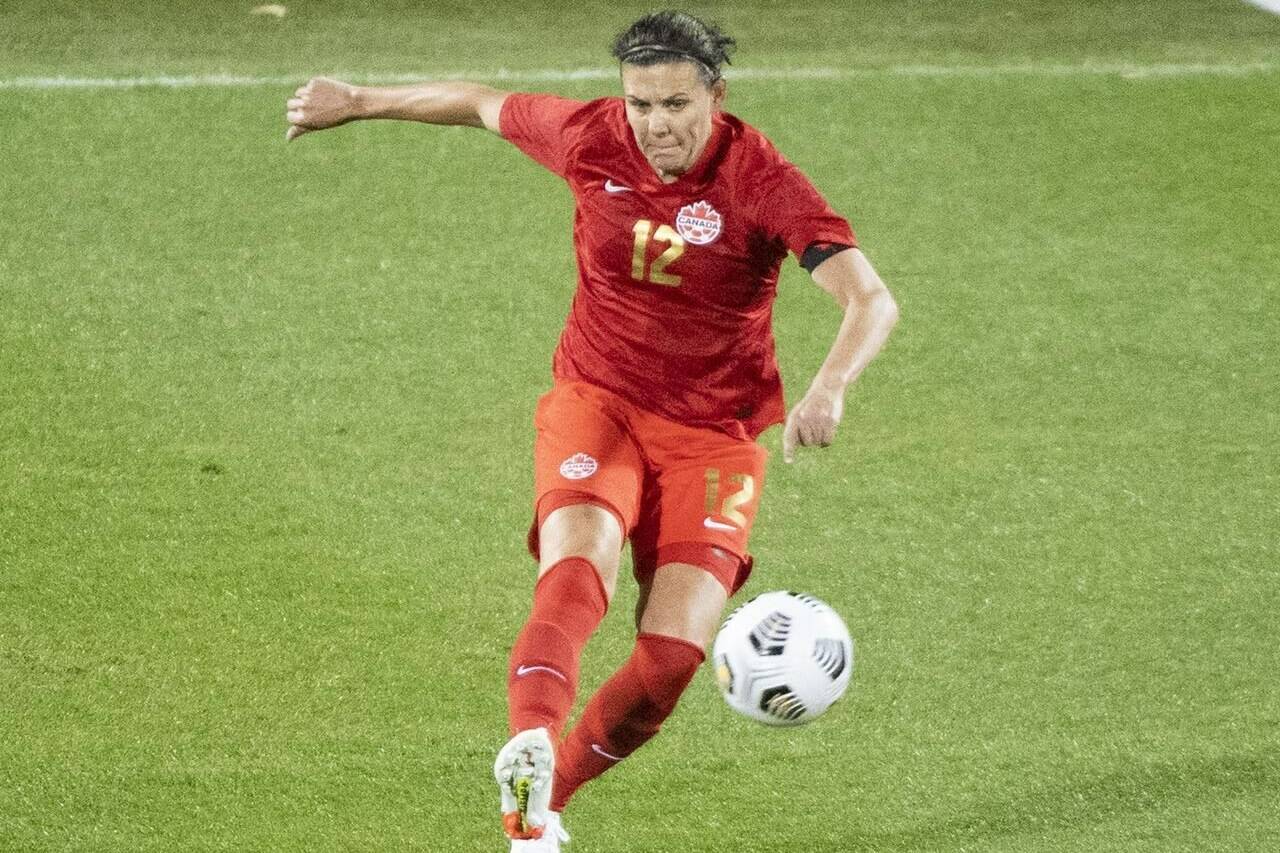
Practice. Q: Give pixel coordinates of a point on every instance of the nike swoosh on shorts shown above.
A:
(611, 187)
(716, 525)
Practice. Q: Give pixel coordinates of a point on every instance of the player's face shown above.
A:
(669, 109)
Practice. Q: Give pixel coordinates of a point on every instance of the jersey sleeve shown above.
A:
(539, 126)
(795, 212)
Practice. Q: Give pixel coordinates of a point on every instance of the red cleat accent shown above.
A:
(516, 829)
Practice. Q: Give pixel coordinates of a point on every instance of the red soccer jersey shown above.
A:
(676, 281)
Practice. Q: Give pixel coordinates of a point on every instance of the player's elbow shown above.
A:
(887, 308)
(875, 301)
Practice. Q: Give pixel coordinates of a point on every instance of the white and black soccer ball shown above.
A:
(783, 658)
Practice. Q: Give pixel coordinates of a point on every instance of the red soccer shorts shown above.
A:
(682, 494)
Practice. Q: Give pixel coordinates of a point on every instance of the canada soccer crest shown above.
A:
(579, 466)
(699, 223)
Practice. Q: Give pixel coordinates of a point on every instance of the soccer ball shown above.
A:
(783, 658)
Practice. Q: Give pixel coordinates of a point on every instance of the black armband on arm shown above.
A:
(816, 253)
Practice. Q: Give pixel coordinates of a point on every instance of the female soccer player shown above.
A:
(664, 377)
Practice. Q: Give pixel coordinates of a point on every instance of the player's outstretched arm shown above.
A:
(869, 315)
(324, 103)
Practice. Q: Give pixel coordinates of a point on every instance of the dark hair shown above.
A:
(673, 36)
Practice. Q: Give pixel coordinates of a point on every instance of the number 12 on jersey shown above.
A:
(657, 273)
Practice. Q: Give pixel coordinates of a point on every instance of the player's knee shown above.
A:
(587, 531)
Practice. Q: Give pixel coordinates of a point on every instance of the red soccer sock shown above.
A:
(625, 712)
(568, 603)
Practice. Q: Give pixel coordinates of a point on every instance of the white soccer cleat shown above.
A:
(524, 771)
(552, 834)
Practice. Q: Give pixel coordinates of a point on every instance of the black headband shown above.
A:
(715, 75)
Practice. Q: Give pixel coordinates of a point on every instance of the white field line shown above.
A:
(1272, 6)
(1086, 69)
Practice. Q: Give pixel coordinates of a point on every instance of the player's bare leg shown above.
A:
(578, 571)
(680, 612)
(682, 601)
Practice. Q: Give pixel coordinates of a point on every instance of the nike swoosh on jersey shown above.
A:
(611, 187)
(716, 525)
(525, 670)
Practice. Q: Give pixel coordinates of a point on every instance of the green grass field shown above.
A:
(265, 434)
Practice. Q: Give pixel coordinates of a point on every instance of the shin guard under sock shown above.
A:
(625, 712)
(568, 603)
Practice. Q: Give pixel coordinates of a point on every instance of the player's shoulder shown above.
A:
(572, 125)
(568, 110)
(600, 111)
(754, 157)
(601, 129)
(746, 137)
(602, 117)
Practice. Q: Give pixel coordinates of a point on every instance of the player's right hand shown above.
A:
(813, 421)
(321, 103)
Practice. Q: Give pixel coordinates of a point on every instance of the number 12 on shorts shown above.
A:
(730, 506)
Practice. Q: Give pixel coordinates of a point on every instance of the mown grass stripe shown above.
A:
(547, 75)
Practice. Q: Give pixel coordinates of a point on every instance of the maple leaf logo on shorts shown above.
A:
(699, 223)
(579, 466)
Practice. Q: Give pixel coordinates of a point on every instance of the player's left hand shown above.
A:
(813, 421)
